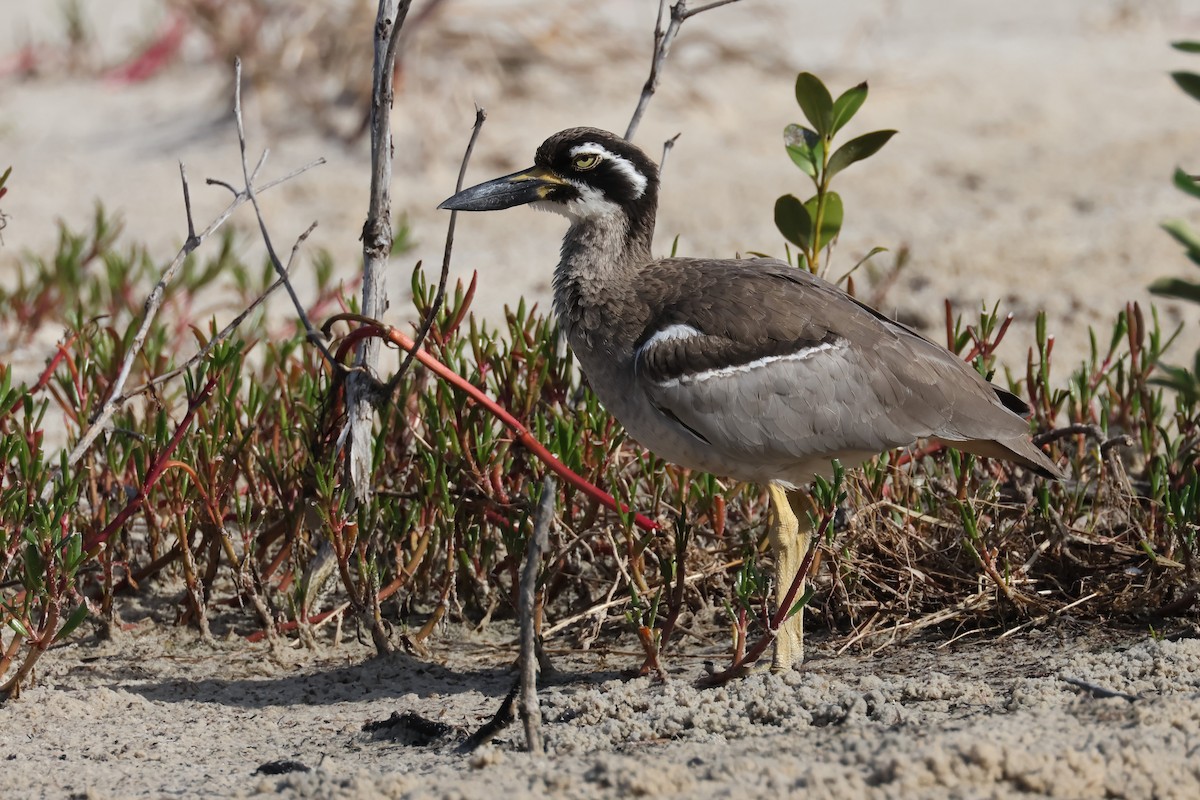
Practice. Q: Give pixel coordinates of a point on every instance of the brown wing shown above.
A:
(765, 361)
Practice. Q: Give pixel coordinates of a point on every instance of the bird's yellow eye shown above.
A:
(585, 162)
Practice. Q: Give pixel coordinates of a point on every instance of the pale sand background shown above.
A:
(1032, 167)
(1037, 141)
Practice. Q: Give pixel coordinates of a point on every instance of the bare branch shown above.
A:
(707, 7)
(526, 685)
(224, 333)
(503, 717)
(269, 184)
(314, 336)
(377, 241)
(155, 300)
(667, 145)
(439, 297)
(662, 46)
(531, 713)
(192, 242)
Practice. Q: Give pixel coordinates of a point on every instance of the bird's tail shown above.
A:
(1018, 450)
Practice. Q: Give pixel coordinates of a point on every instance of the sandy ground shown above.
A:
(1037, 141)
(158, 714)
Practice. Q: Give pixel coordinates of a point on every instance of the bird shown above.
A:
(750, 369)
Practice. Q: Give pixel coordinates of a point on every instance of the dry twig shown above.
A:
(667, 145)
(531, 713)
(1099, 692)
(377, 239)
(505, 716)
(662, 45)
(225, 332)
(601, 608)
(525, 687)
(155, 300)
(440, 295)
(314, 336)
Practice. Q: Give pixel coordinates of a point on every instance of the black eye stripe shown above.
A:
(563, 193)
(616, 173)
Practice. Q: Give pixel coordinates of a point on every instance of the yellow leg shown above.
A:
(789, 534)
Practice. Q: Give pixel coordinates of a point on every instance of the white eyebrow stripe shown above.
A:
(621, 164)
(725, 372)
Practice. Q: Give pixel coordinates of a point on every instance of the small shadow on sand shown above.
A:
(378, 678)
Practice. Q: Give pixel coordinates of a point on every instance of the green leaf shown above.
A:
(801, 603)
(1189, 184)
(831, 220)
(1189, 82)
(75, 555)
(846, 106)
(802, 158)
(874, 252)
(804, 148)
(1181, 233)
(1177, 288)
(793, 220)
(77, 616)
(798, 135)
(35, 567)
(1177, 378)
(1186, 389)
(20, 628)
(857, 149)
(1186, 46)
(816, 102)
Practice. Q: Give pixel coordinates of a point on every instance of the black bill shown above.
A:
(526, 186)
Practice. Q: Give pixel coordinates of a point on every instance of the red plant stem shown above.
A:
(162, 50)
(37, 646)
(785, 607)
(292, 625)
(7, 656)
(717, 516)
(160, 465)
(521, 433)
(47, 373)
(986, 348)
(93, 543)
(461, 314)
(191, 473)
(739, 647)
(781, 611)
(280, 557)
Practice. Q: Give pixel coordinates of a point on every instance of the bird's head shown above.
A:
(581, 173)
